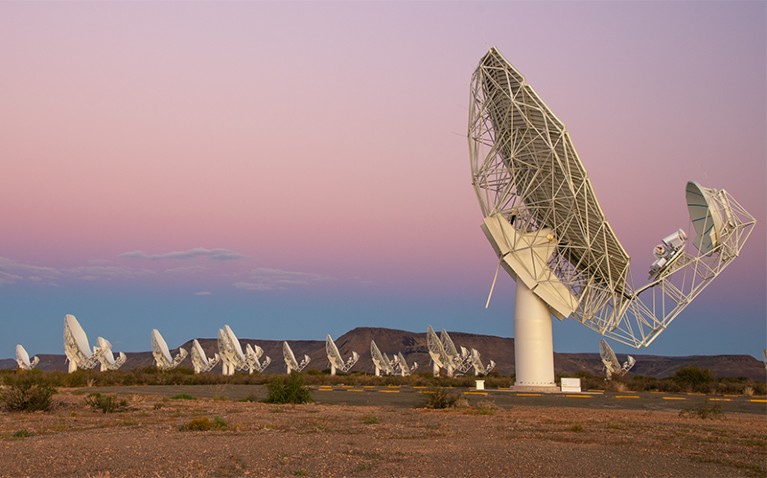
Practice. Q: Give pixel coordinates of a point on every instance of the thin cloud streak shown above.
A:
(212, 254)
(264, 279)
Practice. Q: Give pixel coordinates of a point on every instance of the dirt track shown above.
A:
(341, 440)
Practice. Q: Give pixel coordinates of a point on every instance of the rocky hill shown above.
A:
(413, 348)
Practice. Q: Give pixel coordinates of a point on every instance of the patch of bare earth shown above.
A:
(337, 440)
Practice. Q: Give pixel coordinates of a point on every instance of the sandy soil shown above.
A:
(340, 440)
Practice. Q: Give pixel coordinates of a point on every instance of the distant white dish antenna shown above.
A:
(610, 361)
(105, 356)
(22, 358)
(253, 356)
(381, 362)
(76, 347)
(290, 359)
(476, 363)
(544, 222)
(200, 361)
(161, 353)
(229, 348)
(444, 354)
(335, 358)
(402, 368)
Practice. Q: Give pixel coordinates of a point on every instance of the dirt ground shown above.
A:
(147, 439)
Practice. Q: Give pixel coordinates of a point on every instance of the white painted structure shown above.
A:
(610, 361)
(161, 353)
(76, 346)
(402, 368)
(381, 362)
(22, 359)
(105, 356)
(200, 361)
(478, 366)
(445, 355)
(290, 359)
(543, 220)
(253, 356)
(336, 360)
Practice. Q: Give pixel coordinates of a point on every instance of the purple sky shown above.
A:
(298, 169)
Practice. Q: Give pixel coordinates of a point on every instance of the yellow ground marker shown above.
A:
(627, 396)
(347, 386)
(529, 394)
(714, 399)
(696, 394)
(758, 400)
(392, 386)
(674, 398)
(389, 391)
(324, 389)
(484, 394)
(656, 393)
(596, 390)
(578, 396)
(419, 386)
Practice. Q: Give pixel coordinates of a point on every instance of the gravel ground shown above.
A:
(342, 440)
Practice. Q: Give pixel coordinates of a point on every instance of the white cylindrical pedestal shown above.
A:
(480, 385)
(533, 340)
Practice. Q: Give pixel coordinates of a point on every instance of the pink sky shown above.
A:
(329, 139)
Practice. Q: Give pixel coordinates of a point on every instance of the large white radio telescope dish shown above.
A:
(336, 360)
(548, 230)
(610, 361)
(230, 350)
(76, 347)
(22, 359)
(200, 361)
(381, 362)
(161, 353)
(106, 357)
(290, 359)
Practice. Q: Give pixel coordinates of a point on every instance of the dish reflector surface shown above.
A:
(73, 326)
(705, 217)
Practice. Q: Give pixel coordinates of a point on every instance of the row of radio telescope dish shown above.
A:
(230, 354)
(445, 355)
(442, 351)
(542, 219)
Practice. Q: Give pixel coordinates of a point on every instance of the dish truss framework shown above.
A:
(543, 220)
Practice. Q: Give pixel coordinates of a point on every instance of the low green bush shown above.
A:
(27, 393)
(203, 424)
(105, 403)
(290, 391)
(441, 398)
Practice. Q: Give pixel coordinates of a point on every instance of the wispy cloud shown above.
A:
(203, 292)
(8, 278)
(94, 273)
(212, 254)
(185, 270)
(263, 279)
(12, 271)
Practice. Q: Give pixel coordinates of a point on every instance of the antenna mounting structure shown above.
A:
(543, 220)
